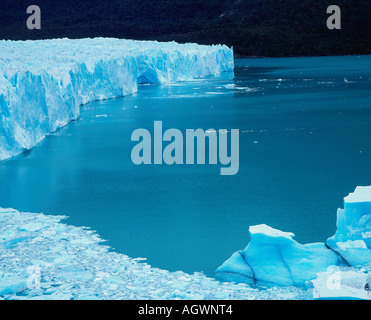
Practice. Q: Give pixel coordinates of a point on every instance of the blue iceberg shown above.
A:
(273, 257)
(352, 240)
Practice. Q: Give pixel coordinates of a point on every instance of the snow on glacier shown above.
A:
(43, 258)
(273, 257)
(43, 83)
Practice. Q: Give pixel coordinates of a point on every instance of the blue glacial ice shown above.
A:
(352, 240)
(43, 258)
(273, 257)
(43, 83)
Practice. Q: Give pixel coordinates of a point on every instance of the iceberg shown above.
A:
(43, 83)
(273, 257)
(352, 240)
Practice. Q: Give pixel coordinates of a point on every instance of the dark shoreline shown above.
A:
(275, 57)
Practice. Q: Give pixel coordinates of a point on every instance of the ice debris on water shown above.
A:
(43, 258)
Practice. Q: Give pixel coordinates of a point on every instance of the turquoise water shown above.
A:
(305, 129)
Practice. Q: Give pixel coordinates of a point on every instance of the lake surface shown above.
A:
(305, 131)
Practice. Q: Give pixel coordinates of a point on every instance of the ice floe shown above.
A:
(273, 257)
(43, 258)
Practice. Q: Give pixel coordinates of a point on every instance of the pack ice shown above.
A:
(43, 258)
(273, 257)
(43, 83)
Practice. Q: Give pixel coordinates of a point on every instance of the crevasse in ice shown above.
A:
(43, 83)
(273, 257)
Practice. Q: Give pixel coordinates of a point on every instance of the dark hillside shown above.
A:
(253, 27)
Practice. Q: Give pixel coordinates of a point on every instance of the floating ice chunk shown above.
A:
(12, 286)
(273, 257)
(72, 263)
(352, 235)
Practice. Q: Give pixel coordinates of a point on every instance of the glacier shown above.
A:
(273, 257)
(43, 83)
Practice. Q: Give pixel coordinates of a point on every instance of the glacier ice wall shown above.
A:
(273, 257)
(43, 83)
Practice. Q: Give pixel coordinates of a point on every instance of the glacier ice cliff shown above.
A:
(273, 257)
(43, 83)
